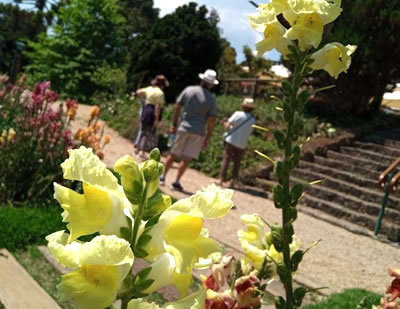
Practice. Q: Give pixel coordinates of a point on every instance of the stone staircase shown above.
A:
(348, 194)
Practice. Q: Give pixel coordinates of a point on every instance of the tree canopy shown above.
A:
(87, 37)
(17, 26)
(180, 45)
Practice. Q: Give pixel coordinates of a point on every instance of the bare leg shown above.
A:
(168, 164)
(183, 165)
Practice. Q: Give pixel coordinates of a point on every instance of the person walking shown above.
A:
(150, 114)
(239, 127)
(199, 112)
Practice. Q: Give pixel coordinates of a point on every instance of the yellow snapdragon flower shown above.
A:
(101, 206)
(100, 267)
(333, 58)
(194, 301)
(180, 233)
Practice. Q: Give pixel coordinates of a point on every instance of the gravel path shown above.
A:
(341, 260)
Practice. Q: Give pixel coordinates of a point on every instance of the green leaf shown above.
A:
(297, 128)
(280, 302)
(140, 252)
(293, 213)
(152, 221)
(287, 89)
(283, 272)
(298, 295)
(126, 233)
(141, 275)
(296, 259)
(296, 151)
(144, 239)
(280, 138)
(295, 193)
(279, 171)
(135, 195)
(276, 235)
(143, 284)
(278, 196)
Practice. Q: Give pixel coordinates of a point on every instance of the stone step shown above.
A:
(344, 175)
(376, 139)
(352, 202)
(350, 189)
(361, 167)
(365, 221)
(369, 155)
(381, 149)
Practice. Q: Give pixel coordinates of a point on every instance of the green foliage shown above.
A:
(16, 27)
(372, 26)
(88, 38)
(349, 299)
(176, 46)
(257, 65)
(28, 224)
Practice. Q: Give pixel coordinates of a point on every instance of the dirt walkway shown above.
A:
(342, 259)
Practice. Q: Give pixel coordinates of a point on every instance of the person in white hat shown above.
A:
(194, 130)
(239, 127)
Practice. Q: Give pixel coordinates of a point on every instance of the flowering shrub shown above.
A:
(33, 139)
(92, 135)
(133, 219)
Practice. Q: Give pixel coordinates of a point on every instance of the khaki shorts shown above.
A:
(187, 145)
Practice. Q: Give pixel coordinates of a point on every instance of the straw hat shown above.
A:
(210, 76)
(248, 103)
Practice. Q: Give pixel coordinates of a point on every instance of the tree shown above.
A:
(87, 38)
(374, 26)
(140, 16)
(179, 45)
(227, 67)
(16, 27)
(257, 65)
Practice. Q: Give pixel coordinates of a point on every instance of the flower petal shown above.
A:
(90, 286)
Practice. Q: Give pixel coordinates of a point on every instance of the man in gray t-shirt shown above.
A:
(199, 112)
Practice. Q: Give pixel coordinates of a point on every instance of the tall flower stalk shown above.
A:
(295, 28)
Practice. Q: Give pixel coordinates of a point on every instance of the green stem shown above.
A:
(286, 215)
(139, 215)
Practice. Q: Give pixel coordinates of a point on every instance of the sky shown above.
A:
(233, 22)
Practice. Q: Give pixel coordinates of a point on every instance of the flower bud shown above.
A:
(131, 178)
(155, 154)
(156, 205)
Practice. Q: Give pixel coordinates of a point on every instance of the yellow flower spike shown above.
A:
(101, 266)
(273, 38)
(308, 30)
(280, 5)
(254, 255)
(194, 301)
(255, 234)
(87, 213)
(327, 10)
(266, 15)
(101, 207)
(192, 248)
(333, 58)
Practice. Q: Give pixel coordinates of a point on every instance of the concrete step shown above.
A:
(17, 288)
(369, 155)
(376, 139)
(344, 174)
(365, 194)
(354, 164)
(355, 220)
(381, 149)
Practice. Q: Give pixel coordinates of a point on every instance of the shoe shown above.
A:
(176, 186)
(162, 180)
